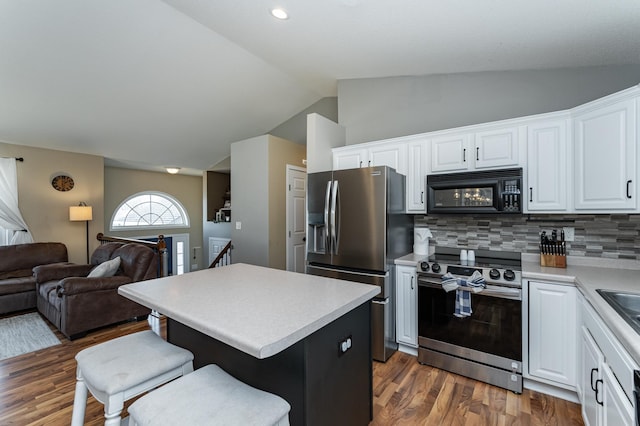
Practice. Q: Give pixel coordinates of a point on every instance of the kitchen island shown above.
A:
(305, 338)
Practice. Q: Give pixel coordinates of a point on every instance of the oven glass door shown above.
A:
(495, 324)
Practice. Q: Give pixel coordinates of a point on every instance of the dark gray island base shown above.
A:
(323, 385)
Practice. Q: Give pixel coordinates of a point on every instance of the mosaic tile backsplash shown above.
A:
(608, 236)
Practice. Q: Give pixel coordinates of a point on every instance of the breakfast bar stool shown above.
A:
(209, 396)
(125, 367)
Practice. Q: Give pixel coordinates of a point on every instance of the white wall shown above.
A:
(322, 135)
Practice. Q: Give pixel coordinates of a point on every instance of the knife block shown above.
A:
(553, 260)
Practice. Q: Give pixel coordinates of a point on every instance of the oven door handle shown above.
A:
(491, 290)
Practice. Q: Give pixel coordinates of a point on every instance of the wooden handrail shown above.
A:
(159, 247)
(221, 256)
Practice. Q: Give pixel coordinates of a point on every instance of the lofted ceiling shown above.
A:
(151, 83)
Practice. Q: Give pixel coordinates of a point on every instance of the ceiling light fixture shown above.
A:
(172, 170)
(279, 13)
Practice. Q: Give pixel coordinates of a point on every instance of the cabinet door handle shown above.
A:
(421, 197)
(411, 283)
(361, 164)
(593, 387)
(369, 163)
(530, 194)
(477, 154)
(464, 155)
(628, 183)
(597, 392)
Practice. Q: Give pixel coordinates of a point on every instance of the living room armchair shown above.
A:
(78, 298)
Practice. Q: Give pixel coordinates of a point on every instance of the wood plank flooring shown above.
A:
(38, 388)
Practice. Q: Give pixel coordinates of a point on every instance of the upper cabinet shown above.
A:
(450, 152)
(418, 156)
(605, 137)
(393, 155)
(547, 166)
(497, 147)
(350, 157)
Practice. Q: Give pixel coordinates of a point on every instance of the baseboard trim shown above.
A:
(557, 392)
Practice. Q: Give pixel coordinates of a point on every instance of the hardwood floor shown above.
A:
(38, 388)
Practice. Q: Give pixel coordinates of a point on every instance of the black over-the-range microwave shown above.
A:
(491, 191)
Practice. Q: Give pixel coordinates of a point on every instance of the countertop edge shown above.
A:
(265, 351)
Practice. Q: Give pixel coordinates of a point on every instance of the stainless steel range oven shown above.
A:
(487, 344)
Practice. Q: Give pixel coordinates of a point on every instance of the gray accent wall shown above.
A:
(382, 108)
(295, 129)
(605, 236)
(250, 192)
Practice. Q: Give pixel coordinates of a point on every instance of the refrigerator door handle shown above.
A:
(327, 238)
(335, 229)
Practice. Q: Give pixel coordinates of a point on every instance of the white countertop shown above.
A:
(590, 278)
(260, 311)
(411, 259)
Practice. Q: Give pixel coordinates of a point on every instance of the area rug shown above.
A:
(23, 334)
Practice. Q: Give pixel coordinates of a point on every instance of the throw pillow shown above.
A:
(105, 269)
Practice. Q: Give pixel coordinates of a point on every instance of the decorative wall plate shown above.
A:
(62, 183)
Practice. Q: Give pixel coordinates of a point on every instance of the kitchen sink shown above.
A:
(627, 305)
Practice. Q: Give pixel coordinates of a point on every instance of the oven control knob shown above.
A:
(509, 275)
(435, 268)
(424, 266)
(494, 274)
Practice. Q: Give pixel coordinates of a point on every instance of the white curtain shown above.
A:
(10, 216)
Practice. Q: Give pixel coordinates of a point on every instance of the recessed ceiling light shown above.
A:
(279, 13)
(172, 169)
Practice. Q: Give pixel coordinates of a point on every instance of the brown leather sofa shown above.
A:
(77, 304)
(17, 283)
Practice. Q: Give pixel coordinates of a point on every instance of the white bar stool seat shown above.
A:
(209, 396)
(123, 368)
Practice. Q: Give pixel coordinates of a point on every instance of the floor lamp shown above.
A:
(82, 213)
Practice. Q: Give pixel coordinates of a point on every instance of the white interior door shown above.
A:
(296, 218)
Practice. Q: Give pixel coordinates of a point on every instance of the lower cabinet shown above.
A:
(406, 306)
(606, 374)
(552, 341)
(591, 380)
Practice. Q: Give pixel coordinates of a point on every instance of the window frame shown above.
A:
(174, 201)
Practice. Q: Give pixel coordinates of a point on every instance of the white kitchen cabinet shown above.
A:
(451, 152)
(350, 157)
(547, 171)
(606, 372)
(406, 306)
(605, 134)
(476, 149)
(552, 337)
(497, 148)
(417, 175)
(590, 380)
(393, 155)
(617, 410)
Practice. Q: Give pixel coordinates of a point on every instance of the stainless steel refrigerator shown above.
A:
(356, 229)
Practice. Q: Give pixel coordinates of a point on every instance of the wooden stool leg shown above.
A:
(79, 401)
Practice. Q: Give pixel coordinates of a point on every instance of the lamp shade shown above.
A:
(80, 213)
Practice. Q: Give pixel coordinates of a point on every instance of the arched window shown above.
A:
(151, 209)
